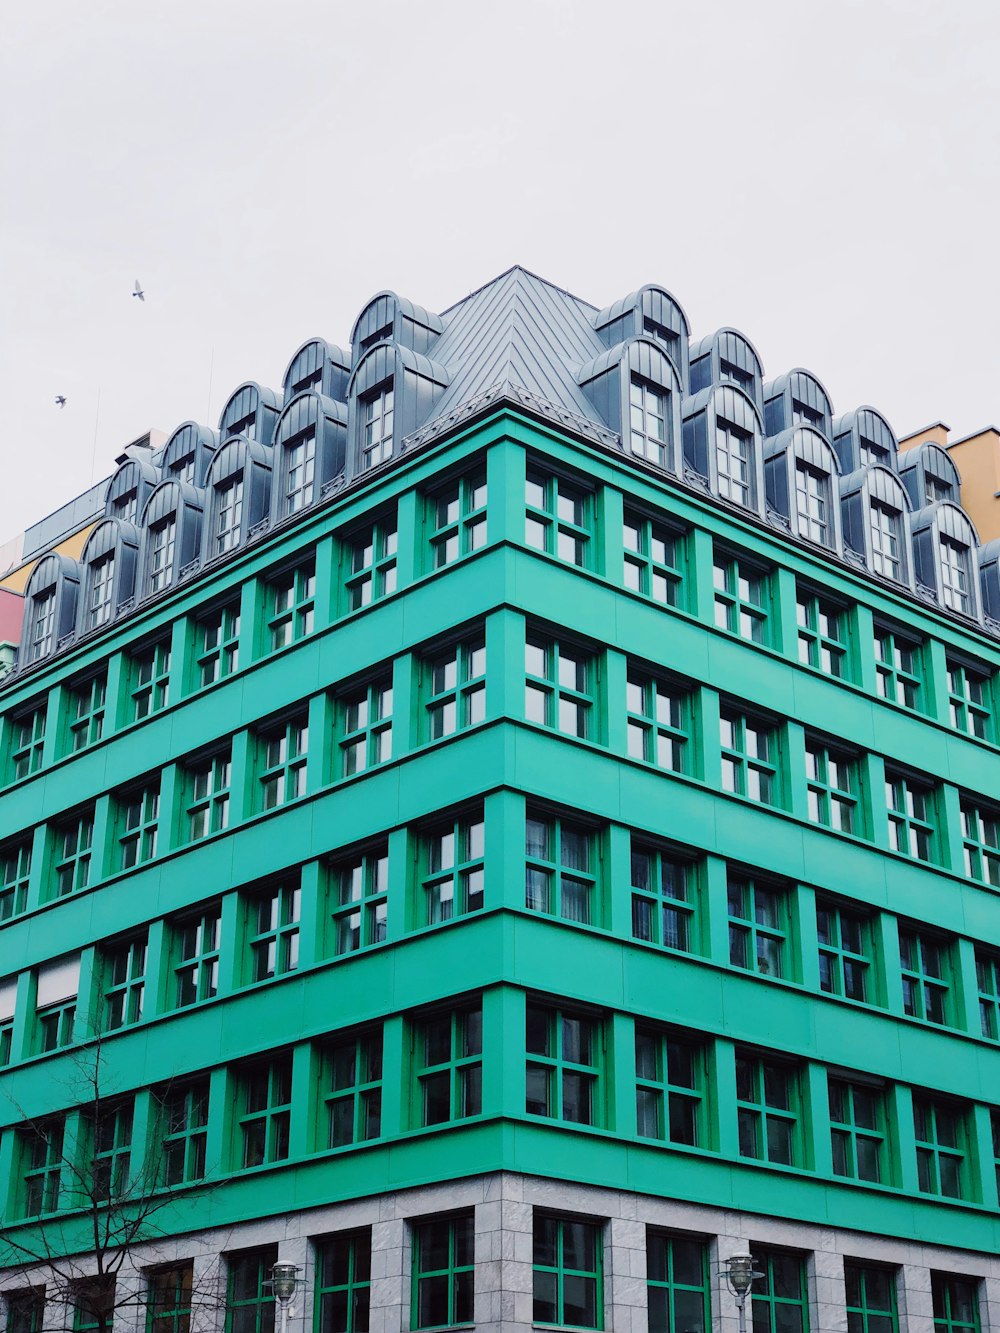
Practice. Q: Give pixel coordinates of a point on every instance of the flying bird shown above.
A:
(60, 400)
(137, 291)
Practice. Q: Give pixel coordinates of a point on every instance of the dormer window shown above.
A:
(733, 374)
(229, 502)
(377, 440)
(812, 498)
(126, 507)
(382, 334)
(936, 489)
(161, 554)
(886, 530)
(871, 454)
(670, 340)
(43, 624)
(102, 578)
(804, 415)
(648, 420)
(955, 577)
(301, 471)
(183, 469)
(733, 448)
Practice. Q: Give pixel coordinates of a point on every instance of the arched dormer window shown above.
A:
(801, 475)
(319, 366)
(863, 438)
(989, 578)
(171, 535)
(50, 601)
(722, 443)
(393, 391)
(946, 556)
(129, 489)
(188, 452)
(108, 564)
(727, 357)
(929, 475)
(875, 512)
(310, 446)
(796, 399)
(251, 412)
(635, 388)
(391, 318)
(238, 489)
(651, 313)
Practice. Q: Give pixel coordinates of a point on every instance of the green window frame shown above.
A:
(55, 1025)
(955, 1302)
(678, 1283)
(218, 653)
(209, 781)
(669, 1086)
(150, 680)
(758, 926)
(871, 1298)
(370, 555)
(452, 856)
(995, 1140)
(448, 1063)
(939, 1133)
(365, 716)
(857, 1130)
(360, 918)
(169, 1299)
(443, 1272)
(970, 700)
(25, 1310)
(559, 517)
(658, 719)
(291, 597)
(455, 688)
(73, 843)
(196, 956)
(561, 686)
(925, 966)
(283, 750)
(27, 741)
(822, 634)
(832, 786)
(93, 1303)
(41, 1166)
(124, 973)
(562, 875)
(456, 518)
(988, 986)
(111, 1141)
(184, 1118)
(343, 1282)
(6, 1040)
(912, 816)
(767, 1108)
(567, 1261)
(749, 757)
(564, 1058)
(273, 931)
(249, 1294)
(846, 965)
(15, 876)
(264, 1110)
(898, 668)
(138, 824)
(779, 1299)
(981, 842)
(353, 1088)
(742, 597)
(87, 701)
(664, 897)
(653, 558)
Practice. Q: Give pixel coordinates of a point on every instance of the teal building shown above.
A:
(504, 824)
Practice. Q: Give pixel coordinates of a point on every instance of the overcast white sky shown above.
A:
(822, 175)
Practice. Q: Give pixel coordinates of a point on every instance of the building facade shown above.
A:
(505, 824)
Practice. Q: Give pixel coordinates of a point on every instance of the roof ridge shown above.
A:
(519, 268)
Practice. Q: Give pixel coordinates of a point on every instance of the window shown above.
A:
(184, 1108)
(228, 515)
(15, 873)
(300, 471)
(124, 983)
(779, 1298)
(250, 1299)
(362, 886)
(845, 963)
(456, 519)
(567, 1272)
(956, 1303)
(273, 929)
(25, 1310)
(161, 554)
(42, 1149)
(560, 686)
(758, 928)
(897, 668)
(292, 605)
(343, 1282)
(733, 457)
(138, 821)
(969, 700)
(93, 1302)
(8, 1002)
(741, 598)
(371, 562)
(653, 558)
(456, 688)
(561, 870)
(981, 842)
(677, 1277)
(956, 577)
(448, 1057)
(265, 1108)
(911, 816)
(283, 749)
(926, 986)
(766, 1108)
(56, 986)
(886, 532)
(151, 677)
(73, 841)
(208, 783)
(658, 720)
(43, 625)
(55, 1024)
(669, 1087)
(86, 711)
(748, 757)
(822, 634)
(197, 957)
(27, 739)
(443, 1272)
(452, 866)
(649, 421)
(353, 1089)
(218, 644)
(366, 726)
(938, 1129)
(169, 1299)
(563, 1073)
(988, 985)
(812, 502)
(376, 419)
(664, 890)
(831, 777)
(184, 469)
(857, 1130)
(558, 517)
(111, 1138)
(871, 1298)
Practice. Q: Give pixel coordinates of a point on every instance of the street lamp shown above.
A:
(740, 1275)
(284, 1279)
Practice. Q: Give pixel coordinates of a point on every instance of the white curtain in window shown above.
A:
(58, 981)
